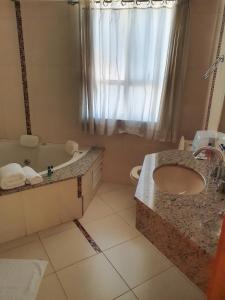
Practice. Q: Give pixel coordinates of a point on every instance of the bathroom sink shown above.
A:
(175, 179)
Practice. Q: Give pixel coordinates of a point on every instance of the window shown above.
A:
(130, 53)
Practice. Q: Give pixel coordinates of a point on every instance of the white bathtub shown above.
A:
(38, 158)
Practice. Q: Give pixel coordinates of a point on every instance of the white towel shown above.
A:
(32, 177)
(71, 147)
(11, 176)
(20, 278)
(29, 141)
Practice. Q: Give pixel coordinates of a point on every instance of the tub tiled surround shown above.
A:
(185, 228)
(59, 199)
(128, 266)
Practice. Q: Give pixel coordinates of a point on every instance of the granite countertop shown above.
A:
(76, 169)
(198, 217)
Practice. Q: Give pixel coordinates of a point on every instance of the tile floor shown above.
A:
(128, 268)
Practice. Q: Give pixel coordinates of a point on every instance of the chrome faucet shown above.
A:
(217, 171)
(213, 150)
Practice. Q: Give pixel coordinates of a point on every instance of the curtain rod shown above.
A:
(73, 2)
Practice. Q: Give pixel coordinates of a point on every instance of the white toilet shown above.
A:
(135, 174)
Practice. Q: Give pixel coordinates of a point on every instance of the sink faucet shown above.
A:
(217, 170)
(215, 152)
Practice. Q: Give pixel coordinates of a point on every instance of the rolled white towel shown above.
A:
(71, 147)
(29, 141)
(32, 177)
(11, 176)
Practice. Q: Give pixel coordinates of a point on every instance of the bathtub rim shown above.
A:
(75, 157)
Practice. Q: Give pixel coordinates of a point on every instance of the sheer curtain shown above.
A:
(127, 50)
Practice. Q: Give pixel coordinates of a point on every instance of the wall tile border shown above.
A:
(215, 72)
(23, 65)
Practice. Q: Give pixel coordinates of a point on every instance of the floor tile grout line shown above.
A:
(43, 246)
(57, 276)
(132, 288)
(131, 239)
(152, 277)
(104, 217)
(87, 236)
(15, 247)
(124, 218)
(130, 291)
(67, 266)
(99, 218)
(54, 271)
(74, 263)
(126, 186)
(117, 273)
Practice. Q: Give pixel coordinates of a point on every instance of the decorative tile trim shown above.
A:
(23, 65)
(215, 72)
(79, 186)
(88, 237)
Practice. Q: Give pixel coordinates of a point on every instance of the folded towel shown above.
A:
(29, 141)
(11, 176)
(20, 278)
(32, 177)
(71, 147)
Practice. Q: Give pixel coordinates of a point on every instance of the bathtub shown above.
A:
(39, 158)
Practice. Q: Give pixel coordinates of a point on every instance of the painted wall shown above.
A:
(12, 119)
(51, 35)
(222, 119)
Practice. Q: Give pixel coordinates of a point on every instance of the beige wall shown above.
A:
(53, 66)
(12, 119)
(203, 32)
(222, 119)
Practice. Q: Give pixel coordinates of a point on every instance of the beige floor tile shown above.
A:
(127, 296)
(33, 250)
(108, 187)
(18, 242)
(96, 210)
(137, 261)
(67, 247)
(129, 215)
(51, 289)
(119, 199)
(110, 231)
(169, 285)
(56, 229)
(92, 279)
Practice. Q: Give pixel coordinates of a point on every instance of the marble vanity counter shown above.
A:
(180, 221)
(76, 169)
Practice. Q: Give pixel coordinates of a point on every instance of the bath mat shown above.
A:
(20, 278)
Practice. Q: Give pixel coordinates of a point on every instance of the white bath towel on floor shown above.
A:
(71, 147)
(32, 177)
(30, 141)
(11, 176)
(20, 279)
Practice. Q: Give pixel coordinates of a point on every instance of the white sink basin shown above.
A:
(175, 179)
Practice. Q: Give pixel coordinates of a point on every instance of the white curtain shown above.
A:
(126, 50)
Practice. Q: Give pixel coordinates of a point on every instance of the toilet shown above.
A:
(135, 174)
